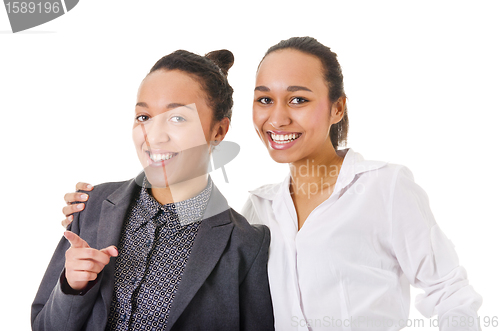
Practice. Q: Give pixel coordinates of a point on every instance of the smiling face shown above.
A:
(292, 112)
(172, 128)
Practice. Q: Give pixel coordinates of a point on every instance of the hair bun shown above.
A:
(223, 58)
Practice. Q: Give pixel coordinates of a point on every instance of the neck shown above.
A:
(318, 170)
(180, 191)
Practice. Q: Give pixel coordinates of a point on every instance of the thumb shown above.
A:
(75, 240)
(111, 251)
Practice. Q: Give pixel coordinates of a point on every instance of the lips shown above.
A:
(159, 158)
(282, 139)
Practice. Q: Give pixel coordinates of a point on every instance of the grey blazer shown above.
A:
(224, 286)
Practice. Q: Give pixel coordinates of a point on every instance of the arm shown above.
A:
(65, 299)
(256, 310)
(428, 259)
(53, 309)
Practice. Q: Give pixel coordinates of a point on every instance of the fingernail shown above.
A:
(89, 186)
(83, 196)
(70, 218)
(80, 206)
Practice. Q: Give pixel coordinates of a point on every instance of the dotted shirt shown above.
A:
(155, 245)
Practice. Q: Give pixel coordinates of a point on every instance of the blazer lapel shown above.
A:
(113, 213)
(210, 242)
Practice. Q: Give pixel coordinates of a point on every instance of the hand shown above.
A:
(75, 197)
(84, 263)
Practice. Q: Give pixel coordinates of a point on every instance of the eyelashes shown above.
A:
(141, 118)
(144, 118)
(298, 100)
(293, 101)
(177, 119)
(264, 100)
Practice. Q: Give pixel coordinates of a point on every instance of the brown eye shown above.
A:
(265, 100)
(298, 100)
(142, 118)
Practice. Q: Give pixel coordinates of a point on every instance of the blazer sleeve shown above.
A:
(255, 297)
(428, 259)
(53, 309)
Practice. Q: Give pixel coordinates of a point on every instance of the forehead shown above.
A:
(171, 86)
(290, 65)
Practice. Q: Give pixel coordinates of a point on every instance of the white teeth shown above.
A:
(284, 139)
(161, 157)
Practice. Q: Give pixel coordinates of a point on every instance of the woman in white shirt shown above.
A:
(348, 235)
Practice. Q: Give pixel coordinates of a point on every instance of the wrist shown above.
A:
(77, 290)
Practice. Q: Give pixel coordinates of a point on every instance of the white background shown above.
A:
(422, 79)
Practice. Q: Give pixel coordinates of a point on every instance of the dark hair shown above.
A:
(332, 75)
(211, 71)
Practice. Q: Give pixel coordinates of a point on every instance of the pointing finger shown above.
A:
(75, 240)
(111, 251)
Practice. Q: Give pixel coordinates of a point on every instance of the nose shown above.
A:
(157, 130)
(279, 116)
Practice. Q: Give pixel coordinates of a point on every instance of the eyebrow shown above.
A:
(169, 106)
(262, 89)
(297, 88)
(293, 88)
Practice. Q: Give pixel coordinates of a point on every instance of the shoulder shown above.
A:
(242, 227)
(248, 244)
(102, 191)
(386, 175)
(393, 175)
(268, 191)
(99, 194)
(251, 236)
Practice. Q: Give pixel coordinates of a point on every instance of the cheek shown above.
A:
(259, 118)
(138, 136)
(316, 122)
(139, 141)
(319, 116)
(188, 136)
(324, 106)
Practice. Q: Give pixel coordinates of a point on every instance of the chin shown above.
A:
(281, 156)
(157, 178)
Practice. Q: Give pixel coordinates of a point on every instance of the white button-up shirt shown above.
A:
(350, 265)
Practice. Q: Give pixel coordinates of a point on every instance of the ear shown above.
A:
(220, 129)
(337, 110)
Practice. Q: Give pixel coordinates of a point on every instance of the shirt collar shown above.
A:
(185, 212)
(353, 164)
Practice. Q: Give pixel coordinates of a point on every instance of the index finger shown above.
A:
(75, 240)
(84, 186)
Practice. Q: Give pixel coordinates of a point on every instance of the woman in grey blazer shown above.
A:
(163, 251)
